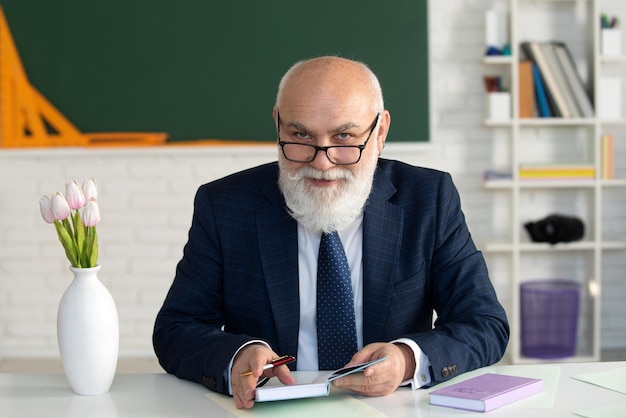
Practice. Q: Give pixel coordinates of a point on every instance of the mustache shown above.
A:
(330, 174)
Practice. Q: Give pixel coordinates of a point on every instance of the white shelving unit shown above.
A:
(523, 140)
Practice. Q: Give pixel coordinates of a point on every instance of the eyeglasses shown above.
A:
(336, 154)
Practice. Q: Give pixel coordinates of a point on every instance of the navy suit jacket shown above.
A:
(238, 277)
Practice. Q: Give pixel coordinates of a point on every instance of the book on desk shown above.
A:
(319, 387)
(486, 392)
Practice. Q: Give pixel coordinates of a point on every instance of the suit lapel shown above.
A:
(278, 246)
(382, 237)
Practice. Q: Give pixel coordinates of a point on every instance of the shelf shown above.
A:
(547, 140)
(528, 247)
(492, 123)
(498, 59)
(531, 122)
(553, 1)
(619, 121)
(557, 122)
(552, 184)
(546, 122)
(611, 59)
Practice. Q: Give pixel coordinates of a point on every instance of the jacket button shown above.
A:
(209, 382)
(445, 372)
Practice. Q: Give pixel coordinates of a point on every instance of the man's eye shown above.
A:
(301, 135)
(344, 136)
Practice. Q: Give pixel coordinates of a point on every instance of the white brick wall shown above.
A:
(146, 200)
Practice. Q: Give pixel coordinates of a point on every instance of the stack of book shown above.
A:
(556, 171)
(558, 88)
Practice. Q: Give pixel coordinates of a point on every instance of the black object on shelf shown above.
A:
(556, 228)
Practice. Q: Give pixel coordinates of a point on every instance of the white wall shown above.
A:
(146, 199)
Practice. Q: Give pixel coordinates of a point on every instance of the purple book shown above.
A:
(486, 392)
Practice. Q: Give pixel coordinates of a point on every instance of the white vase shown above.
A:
(88, 333)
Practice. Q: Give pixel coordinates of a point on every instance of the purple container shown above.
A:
(549, 318)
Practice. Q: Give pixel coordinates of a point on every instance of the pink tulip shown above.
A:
(60, 207)
(74, 195)
(75, 218)
(90, 190)
(90, 215)
(45, 206)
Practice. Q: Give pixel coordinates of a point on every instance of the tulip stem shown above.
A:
(67, 242)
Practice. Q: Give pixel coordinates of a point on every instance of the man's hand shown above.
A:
(254, 357)
(382, 378)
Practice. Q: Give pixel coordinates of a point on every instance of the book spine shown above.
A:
(540, 94)
(557, 176)
(608, 159)
(552, 172)
(562, 87)
(526, 89)
(579, 91)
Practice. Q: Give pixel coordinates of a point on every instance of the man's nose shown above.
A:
(321, 161)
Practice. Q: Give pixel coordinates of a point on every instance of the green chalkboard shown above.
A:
(208, 69)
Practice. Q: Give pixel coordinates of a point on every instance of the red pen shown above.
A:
(279, 361)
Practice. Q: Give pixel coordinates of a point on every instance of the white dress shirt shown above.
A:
(308, 249)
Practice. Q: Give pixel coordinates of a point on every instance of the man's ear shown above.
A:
(383, 130)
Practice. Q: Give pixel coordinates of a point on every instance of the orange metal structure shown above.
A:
(28, 119)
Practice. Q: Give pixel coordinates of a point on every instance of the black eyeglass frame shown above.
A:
(325, 149)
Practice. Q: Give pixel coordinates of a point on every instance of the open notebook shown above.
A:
(319, 387)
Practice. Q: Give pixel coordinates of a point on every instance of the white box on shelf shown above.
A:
(611, 41)
(499, 105)
(496, 29)
(610, 98)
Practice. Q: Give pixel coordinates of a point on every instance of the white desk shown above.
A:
(162, 395)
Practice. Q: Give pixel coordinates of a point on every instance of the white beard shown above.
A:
(326, 209)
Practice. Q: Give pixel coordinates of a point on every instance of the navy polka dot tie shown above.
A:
(336, 329)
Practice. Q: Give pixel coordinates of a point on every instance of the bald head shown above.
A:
(330, 77)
